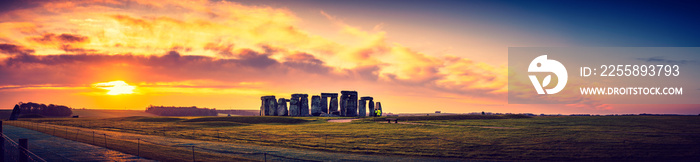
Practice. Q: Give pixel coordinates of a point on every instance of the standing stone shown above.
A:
(271, 106)
(324, 102)
(262, 106)
(371, 108)
(343, 104)
(349, 107)
(304, 109)
(294, 105)
(282, 107)
(379, 107)
(363, 102)
(267, 105)
(353, 104)
(333, 107)
(361, 111)
(316, 105)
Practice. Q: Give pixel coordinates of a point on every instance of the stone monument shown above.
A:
(379, 107)
(333, 100)
(294, 105)
(363, 104)
(348, 105)
(304, 106)
(316, 106)
(268, 106)
(282, 107)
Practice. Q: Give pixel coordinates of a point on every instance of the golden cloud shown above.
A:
(172, 41)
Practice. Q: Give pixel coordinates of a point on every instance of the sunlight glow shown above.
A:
(116, 87)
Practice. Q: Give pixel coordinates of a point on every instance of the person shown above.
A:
(378, 112)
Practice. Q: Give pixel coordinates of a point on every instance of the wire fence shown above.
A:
(440, 145)
(103, 140)
(14, 151)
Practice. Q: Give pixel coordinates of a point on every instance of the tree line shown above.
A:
(43, 109)
(180, 111)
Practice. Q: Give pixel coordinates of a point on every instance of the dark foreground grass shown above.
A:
(134, 147)
(471, 137)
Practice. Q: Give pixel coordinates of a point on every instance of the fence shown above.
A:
(441, 146)
(14, 151)
(430, 143)
(109, 141)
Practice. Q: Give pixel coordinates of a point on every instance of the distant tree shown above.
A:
(180, 111)
(44, 110)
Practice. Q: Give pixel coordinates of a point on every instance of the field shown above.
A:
(511, 137)
(93, 113)
(88, 113)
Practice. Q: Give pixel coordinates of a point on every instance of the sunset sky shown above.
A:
(413, 56)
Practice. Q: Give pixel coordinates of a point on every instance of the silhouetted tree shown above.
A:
(42, 109)
(180, 111)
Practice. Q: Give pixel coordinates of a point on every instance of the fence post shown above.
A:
(2, 144)
(193, 154)
(438, 141)
(265, 156)
(23, 150)
(138, 147)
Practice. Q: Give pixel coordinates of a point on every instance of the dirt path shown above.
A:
(271, 151)
(446, 125)
(341, 120)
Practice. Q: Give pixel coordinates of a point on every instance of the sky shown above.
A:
(413, 56)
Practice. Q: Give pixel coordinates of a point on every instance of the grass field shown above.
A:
(142, 149)
(90, 113)
(470, 137)
(93, 113)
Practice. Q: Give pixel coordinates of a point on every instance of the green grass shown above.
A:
(471, 137)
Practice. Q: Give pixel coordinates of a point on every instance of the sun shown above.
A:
(116, 87)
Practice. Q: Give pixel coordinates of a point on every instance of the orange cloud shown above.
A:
(12, 49)
(65, 42)
(84, 42)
